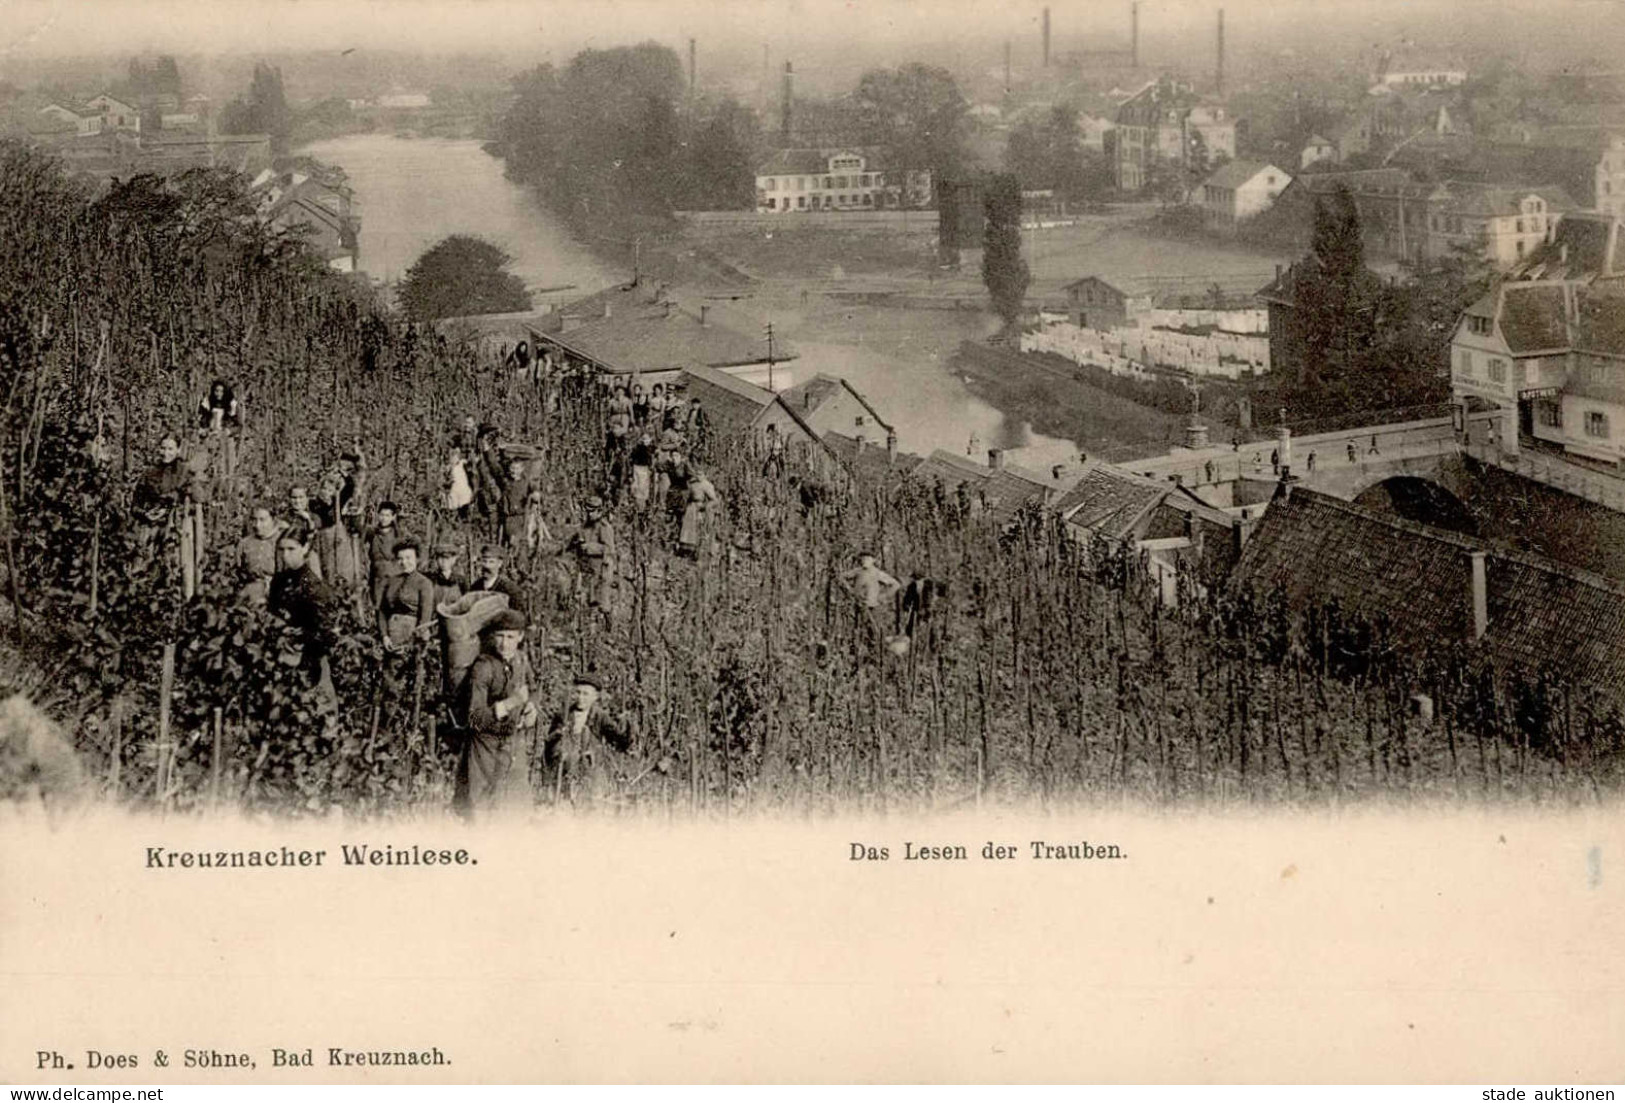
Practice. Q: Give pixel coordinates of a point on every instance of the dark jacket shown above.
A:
(306, 603)
(409, 595)
(580, 764)
(489, 680)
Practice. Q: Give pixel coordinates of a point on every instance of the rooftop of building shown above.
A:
(1233, 174)
(1417, 582)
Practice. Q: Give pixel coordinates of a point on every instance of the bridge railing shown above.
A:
(1321, 454)
(1554, 471)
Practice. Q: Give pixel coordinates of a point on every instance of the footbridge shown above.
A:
(1344, 463)
(1348, 462)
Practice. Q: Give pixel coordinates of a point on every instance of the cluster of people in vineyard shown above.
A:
(308, 554)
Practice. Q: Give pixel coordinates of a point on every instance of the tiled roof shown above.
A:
(951, 469)
(1584, 245)
(871, 458)
(1534, 317)
(1357, 180)
(1601, 321)
(1236, 173)
(1283, 289)
(653, 337)
(1009, 488)
(1110, 500)
(1128, 286)
(731, 404)
(1317, 140)
(1499, 200)
(809, 396)
(514, 325)
(1418, 580)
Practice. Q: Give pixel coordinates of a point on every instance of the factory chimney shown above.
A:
(1046, 38)
(1134, 35)
(1219, 77)
(692, 85)
(1007, 66)
(789, 93)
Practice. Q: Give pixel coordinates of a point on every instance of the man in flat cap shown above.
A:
(498, 719)
(448, 587)
(489, 576)
(583, 745)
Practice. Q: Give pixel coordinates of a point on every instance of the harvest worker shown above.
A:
(870, 586)
(447, 586)
(256, 557)
(495, 711)
(165, 486)
(582, 743)
(217, 410)
(407, 606)
(642, 461)
(488, 576)
(381, 549)
(868, 583)
(303, 600)
(594, 548)
(511, 502)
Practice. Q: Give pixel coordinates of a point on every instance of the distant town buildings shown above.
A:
(1419, 72)
(850, 179)
(1165, 123)
(319, 205)
(1402, 218)
(1316, 150)
(1240, 190)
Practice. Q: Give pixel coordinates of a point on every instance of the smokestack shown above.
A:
(1480, 594)
(1046, 38)
(1007, 66)
(1219, 77)
(692, 70)
(1134, 35)
(891, 447)
(703, 308)
(789, 91)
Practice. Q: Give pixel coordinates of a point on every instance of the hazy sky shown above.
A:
(33, 29)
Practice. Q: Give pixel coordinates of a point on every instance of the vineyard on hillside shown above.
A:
(1047, 669)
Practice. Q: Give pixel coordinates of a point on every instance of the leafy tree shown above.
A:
(461, 275)
(603, 136)
(1004, 271)
(1333, 290)
(162, 77)
(721, 161)
(264, 110)
(916, 112)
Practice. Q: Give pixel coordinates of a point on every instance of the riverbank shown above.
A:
(1058, 403)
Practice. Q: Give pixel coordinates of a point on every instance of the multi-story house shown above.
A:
(1165, 124)
(1402, 218)
(1505, 223)
(850, 179)
(1549, 357)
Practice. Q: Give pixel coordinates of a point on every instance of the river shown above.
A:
(411, 192)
